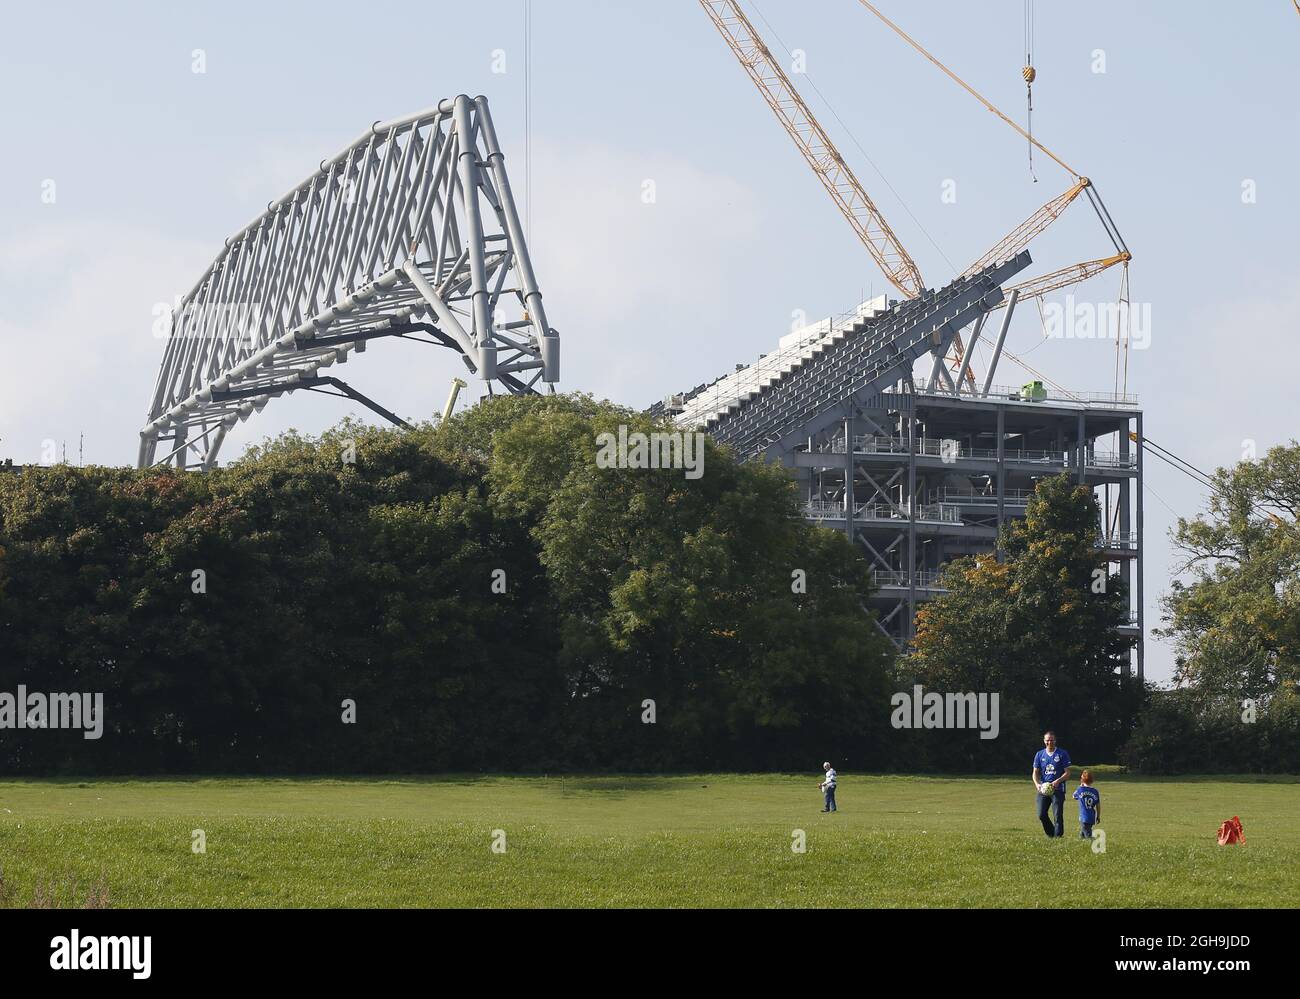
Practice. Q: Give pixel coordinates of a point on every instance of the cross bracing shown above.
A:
(410, 229)
(873, 352)
(918, 472)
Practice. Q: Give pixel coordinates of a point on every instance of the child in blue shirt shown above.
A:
(1089, 799)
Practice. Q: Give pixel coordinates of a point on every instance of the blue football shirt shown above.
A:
(1089, 798)
(1052, 765)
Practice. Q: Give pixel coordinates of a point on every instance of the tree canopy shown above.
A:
(1039, 628)
(482, 593)
(1233, 616)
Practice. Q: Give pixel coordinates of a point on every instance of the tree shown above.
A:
(482, 592)
(681, 591)
(1039, 628)
(1235, 620)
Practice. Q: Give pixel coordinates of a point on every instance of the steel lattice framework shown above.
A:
(411, 228)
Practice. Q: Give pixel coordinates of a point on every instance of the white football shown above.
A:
(1046, 789)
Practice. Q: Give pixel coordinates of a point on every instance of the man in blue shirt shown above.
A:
(1051, 770)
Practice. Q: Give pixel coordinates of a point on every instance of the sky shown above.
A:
(125, 169)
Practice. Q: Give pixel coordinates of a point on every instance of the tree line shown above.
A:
(484, 595)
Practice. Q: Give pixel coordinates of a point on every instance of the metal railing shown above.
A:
(964, 497)
(1029, 455)
(823, 510)
(1013, 392)
(925, 579)
(1110, 459)
(831, 510)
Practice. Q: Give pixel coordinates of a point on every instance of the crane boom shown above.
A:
(1063, 278)
(816, 146)
(1019, 237)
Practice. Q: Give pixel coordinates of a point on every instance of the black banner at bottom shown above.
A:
(338, 947)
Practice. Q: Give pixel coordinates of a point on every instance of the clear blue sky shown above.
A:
(154, 165)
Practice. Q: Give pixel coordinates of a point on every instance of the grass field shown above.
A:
(712, 840)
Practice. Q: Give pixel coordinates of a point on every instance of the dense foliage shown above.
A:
(1234, 620)
(482, 595)
(485, 594)
(1039, 629)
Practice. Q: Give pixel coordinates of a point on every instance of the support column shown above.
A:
(909, 629)
(1080, 453)
(848, 477)
(1141, 609)
(1002, 338)
(1002, 478)
(1125, 520)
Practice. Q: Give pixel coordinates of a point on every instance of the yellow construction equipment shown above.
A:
(821, 155)
(1019, 237)
(816, 146)
(856, 205)
(1066, 276)
(968, 88)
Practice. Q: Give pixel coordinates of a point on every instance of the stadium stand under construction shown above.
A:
(918, 471)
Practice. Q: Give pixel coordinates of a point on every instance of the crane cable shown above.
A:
(969, 89)
(853, 138)
(1029, 74)
(1123, 332)
(1200, 477)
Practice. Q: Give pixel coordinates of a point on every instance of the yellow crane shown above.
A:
(856, 205)
(1066, 276)
(822, 156)
(816, 146)
(1020, 237)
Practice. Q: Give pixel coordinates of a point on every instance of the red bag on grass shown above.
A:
(1231, 832)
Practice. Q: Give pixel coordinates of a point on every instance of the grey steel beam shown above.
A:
(1081, 447)
(1125, 519)
(1012, 298)
(970, 352)
(909, 628)
(1002, 475)
(391, 229)
(1141, 539)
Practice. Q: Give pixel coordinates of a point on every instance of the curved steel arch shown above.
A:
(411, 227)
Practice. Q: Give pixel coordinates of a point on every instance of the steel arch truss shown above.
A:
(410, 228)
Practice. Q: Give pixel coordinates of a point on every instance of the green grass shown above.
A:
(713, 840)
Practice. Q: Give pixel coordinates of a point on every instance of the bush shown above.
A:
(1183, 731)
(480, 595)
